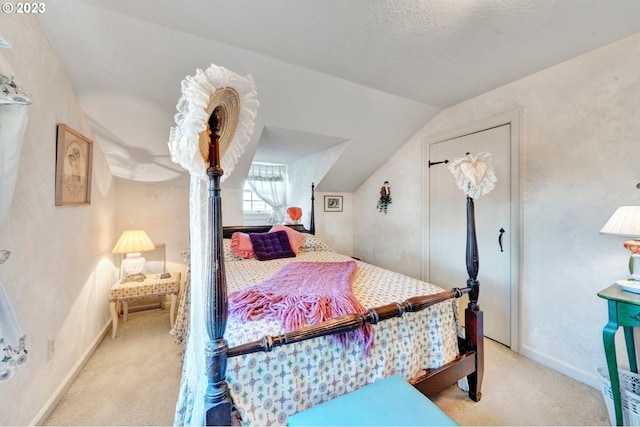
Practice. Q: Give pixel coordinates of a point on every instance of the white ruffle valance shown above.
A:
(216, 86)
(474, 175)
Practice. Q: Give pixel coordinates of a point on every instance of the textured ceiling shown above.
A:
(368, 72)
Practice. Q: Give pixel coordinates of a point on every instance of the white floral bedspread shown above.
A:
(268, 387)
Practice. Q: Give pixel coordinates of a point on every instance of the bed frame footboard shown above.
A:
(469, 364)
(347, 323)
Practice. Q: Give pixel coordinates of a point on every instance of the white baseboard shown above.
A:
(588, 378)
(51, 404)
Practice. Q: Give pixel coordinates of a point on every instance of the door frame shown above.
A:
(515, 119)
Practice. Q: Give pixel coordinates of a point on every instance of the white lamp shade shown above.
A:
(625, 221)
(133, 241)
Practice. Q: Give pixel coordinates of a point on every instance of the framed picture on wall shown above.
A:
(74, 155)
(333, 203)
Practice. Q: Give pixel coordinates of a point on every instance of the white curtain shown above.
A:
(13, 122)
(268, 182)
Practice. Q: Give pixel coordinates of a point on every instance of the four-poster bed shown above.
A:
(211, 364)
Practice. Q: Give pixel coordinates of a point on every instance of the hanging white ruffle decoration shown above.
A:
(12, 93)
(194, 109)
(188, 141)
(474, 175)
(12, 340)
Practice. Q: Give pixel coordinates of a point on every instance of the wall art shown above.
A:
(333, 203)
(73, 167)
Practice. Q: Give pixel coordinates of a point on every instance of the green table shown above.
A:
(624, 310)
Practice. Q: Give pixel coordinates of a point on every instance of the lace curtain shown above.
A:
(268, 182)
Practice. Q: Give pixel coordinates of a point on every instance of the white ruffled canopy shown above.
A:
(474, 175)
(201, 94)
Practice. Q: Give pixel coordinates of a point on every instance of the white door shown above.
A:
(447, 227)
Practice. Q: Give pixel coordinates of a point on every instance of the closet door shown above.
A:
(447, 227)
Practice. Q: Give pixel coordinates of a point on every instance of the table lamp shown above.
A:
(625, 221)
(295, 213)
(132, 242)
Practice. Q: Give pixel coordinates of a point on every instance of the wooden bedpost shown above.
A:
(312, 225)
(217, 398)
(473, 315)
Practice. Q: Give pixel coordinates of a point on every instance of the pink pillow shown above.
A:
(241, 245)
(295, 237)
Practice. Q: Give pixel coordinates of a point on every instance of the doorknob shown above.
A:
(500, 239)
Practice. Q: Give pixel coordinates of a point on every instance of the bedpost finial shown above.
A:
(214, 145)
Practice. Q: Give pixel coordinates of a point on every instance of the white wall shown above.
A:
(392, 240)
(61, 267)
(579, 162)
(334, 228)
(311, 170)
(162, 211)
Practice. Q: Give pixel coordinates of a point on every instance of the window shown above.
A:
(263, 196)
(251, 203)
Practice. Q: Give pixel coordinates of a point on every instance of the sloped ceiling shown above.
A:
(327, 71)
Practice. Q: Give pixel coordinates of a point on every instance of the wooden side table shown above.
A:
(624, 310)
(152, 286)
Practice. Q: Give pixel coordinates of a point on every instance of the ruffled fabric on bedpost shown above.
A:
(191, 120)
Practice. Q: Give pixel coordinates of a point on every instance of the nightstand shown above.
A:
(624, 310)
(152, 286)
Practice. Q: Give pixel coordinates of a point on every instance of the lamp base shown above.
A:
(634, 267)
(133, 263)
(629, 285)
(633, 284)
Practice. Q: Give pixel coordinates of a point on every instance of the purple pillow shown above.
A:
(268, 246)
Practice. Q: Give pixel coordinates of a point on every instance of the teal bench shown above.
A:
(388, 402)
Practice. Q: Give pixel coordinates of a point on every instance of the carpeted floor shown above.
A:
(519, 392)
(134, 380)
(131, 380)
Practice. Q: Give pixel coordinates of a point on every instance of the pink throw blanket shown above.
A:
(304, 293)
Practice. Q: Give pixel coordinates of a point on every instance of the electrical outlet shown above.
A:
(51, 348)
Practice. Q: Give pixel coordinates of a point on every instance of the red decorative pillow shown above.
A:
(295, 237)
(268, 246)
(241, 245)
